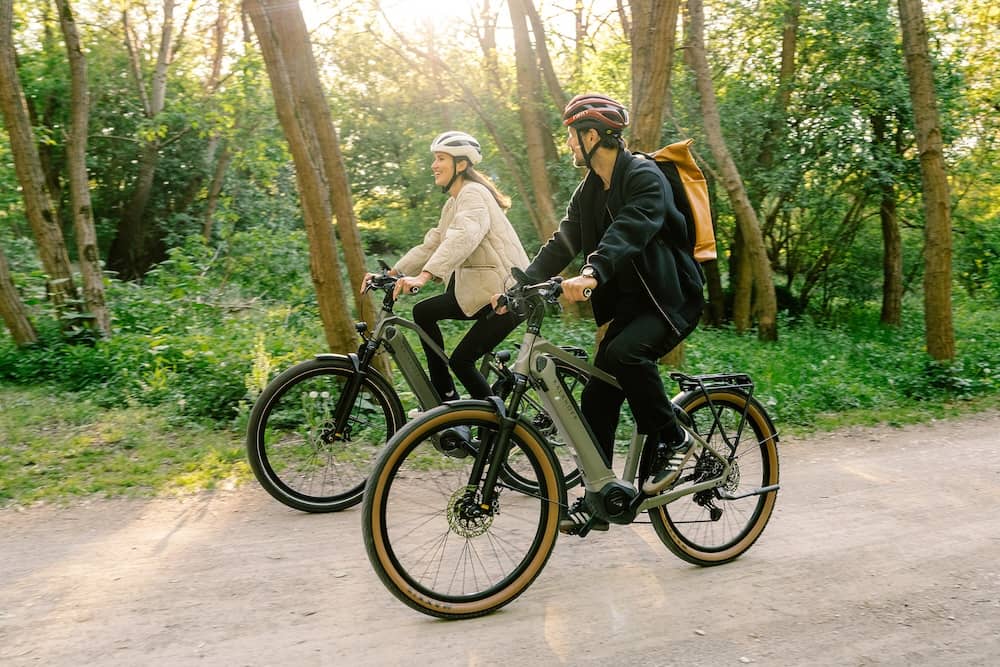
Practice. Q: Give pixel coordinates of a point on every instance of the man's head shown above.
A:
(594, 120)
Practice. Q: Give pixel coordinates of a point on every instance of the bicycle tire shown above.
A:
(424, 529)
(574, 379)
(686, 526)
(295, 454)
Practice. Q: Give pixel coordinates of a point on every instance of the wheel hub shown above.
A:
(466, 515)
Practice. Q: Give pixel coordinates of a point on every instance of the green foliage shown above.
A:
(815, 371)
(205, 329)
(185, 339)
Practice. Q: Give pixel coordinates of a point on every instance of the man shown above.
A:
(622, 218)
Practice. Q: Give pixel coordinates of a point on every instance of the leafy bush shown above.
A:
(204, 334)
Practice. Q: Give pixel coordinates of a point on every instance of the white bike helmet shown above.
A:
(458, 145)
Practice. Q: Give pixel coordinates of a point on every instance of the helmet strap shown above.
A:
(586, 154)
(446, 189)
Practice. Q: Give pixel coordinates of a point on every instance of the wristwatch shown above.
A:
(588, 271)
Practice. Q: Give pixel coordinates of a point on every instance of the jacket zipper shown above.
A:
(655, 302)
(646, 286)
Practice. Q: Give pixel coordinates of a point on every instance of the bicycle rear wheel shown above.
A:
(297, 451)
(429, 537)
(705, 528)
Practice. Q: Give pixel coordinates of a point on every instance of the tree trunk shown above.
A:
(786, 77)
(892, 244)
(544, 61)
(536, 133)
(138, 245)
(746, 217)
(12, 310)
(892, 260)
(41, 214)
(88, 255)
(741, 284)
(488, 41)
(214, 190)
(291, 67)
(939, 328)
(654, 31)
(715, 309)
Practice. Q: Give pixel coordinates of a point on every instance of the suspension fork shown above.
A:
(494, 450)
(361, 361)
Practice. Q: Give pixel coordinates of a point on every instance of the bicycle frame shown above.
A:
(535, 361)
(536, 365)
(388, 333)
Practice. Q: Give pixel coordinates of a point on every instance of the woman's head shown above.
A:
(455, 153)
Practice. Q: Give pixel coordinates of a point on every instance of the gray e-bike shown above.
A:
(452, 538)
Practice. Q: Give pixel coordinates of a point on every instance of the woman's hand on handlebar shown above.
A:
(578, 288)
(410, 285)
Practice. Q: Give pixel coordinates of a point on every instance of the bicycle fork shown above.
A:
(494, 448)
(342, 412)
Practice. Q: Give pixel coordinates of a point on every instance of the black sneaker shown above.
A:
(578, 516)
(670, 466)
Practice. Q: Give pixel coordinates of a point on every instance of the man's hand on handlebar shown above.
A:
(499, 303)
(578, 288)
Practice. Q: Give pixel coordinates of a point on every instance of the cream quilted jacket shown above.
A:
(475, 242)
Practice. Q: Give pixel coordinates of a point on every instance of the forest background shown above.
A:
(190, 193)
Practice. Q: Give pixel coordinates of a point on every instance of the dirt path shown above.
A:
(884, 549)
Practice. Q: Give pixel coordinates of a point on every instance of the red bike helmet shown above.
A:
(598, 111)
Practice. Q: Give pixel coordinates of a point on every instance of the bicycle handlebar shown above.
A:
(383, 281)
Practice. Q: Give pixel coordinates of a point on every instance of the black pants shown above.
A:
(635, 340)
(484, 335)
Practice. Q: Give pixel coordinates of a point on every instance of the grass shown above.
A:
(58, 446)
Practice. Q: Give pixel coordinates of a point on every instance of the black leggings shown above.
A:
(484, 335)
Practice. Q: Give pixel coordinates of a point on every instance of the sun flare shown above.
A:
(400, 14)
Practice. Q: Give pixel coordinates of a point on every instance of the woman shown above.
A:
(471, 250)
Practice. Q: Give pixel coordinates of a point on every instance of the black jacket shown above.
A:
(646, 235)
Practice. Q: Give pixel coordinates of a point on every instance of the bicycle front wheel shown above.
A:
(431, 539)
(298, 452)
(707, 528)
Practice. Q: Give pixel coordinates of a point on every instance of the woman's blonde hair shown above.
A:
(471, 174)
